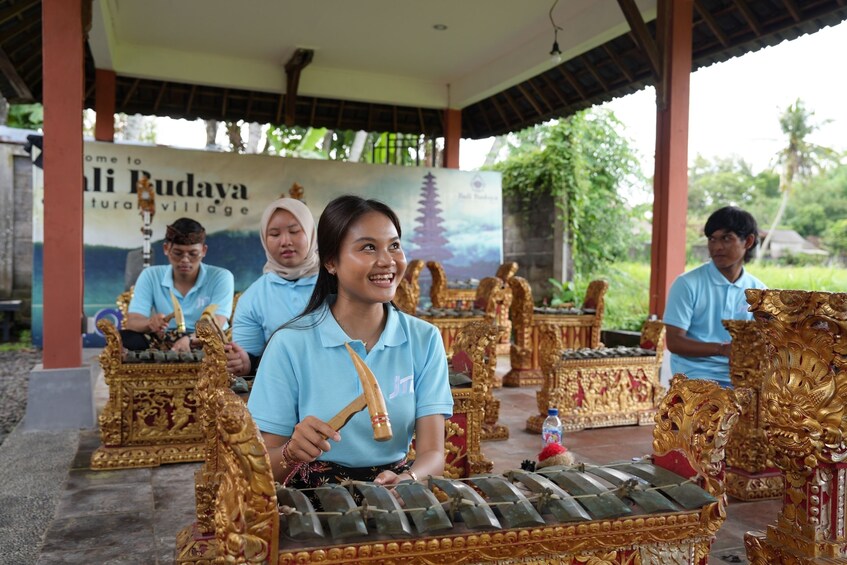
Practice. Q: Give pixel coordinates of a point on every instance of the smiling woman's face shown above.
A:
(370, 260)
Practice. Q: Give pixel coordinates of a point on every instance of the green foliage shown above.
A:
(585, 165)
(25, 116)
(820, 201)
(826, 279)
(628, 297)
(23, 342)
(836, 237)
(563, 292)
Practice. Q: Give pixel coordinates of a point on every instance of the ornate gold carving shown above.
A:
(151, 415)
(576, 331)
(496, 298)
(506, 271)
(696, 417)
(598, 392)
(804, 417)
(751, 474)
(247, 521)
(496, 294)
(246, 513)
(443, 297)
(122, 302)
(214, 379)
(409, 289)
(479, 341)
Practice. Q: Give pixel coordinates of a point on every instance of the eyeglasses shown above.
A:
(178, 254)
(726, 239)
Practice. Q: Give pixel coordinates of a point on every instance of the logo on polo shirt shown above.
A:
(402, 385)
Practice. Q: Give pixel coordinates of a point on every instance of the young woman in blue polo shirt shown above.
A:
(288, 235)
(306, 375)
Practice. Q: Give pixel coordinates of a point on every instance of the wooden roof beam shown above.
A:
(190, 99)
(748, 16)
(513, 105)
(295, 65)
(584, 60)
(540, 94)
(340, 115)
(552, 86)
(129, 94)
(159, 96)
(711, 23)
(24, 29)
(16, 10)
(531, 99)
(572, 81)
(8, 70)
(500, 110)
(792, 9)
(642, 35)
(616, 60)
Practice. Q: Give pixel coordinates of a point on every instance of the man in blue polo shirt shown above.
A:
(699, 299)
(194, 285)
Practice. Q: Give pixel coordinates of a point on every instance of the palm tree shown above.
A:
(799, 159)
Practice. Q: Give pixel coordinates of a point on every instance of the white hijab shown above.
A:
(301, 212)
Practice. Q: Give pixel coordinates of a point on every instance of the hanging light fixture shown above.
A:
(555, 53)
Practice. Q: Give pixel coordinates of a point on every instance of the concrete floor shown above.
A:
(132, 516)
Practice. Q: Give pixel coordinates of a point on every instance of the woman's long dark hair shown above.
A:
(333, 226)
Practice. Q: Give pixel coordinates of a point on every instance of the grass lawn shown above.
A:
(627, 300)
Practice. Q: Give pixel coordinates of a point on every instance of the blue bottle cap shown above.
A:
(552, 411)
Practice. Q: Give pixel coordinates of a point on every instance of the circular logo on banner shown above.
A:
(111, 314)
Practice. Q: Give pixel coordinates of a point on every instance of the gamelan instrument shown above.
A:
(481, 504)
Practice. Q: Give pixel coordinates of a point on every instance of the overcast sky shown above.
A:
(735, 105)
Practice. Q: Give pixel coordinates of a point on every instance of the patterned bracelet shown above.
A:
(412, 474)
(287, 458)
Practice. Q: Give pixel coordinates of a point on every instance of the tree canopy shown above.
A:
(586, 165)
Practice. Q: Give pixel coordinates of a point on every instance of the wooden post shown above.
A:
(670, 182)
(452, 137)
(62, 52)
(104, 104)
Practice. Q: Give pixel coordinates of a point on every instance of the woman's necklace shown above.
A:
(375, 335)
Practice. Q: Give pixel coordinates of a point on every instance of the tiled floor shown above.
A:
(132, 517)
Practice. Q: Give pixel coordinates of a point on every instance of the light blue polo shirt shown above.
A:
(153, 288)
(309, 372)
(269, 302)
(697, 302)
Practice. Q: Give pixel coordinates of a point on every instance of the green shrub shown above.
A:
(628, 297)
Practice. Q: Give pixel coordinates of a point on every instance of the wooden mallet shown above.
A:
(371, 397)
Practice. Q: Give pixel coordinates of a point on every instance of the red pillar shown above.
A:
(670, 182)
(62, 49)
(104, 105)
(452, 136)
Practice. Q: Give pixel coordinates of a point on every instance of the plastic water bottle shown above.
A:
(551, 430)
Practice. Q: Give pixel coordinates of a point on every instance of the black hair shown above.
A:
(333, 225)
(738, 221)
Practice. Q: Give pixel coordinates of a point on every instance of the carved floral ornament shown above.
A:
(804, 394)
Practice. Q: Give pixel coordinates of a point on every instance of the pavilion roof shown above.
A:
(592, 72)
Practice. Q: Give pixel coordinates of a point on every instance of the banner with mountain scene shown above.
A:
(451, 216)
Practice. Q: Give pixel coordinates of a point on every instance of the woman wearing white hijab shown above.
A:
(289, 238)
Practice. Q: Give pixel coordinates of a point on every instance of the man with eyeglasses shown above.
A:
(194, 285)
(699, 299)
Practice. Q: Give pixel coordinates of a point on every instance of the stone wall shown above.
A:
(534, 239)
(16, 225)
